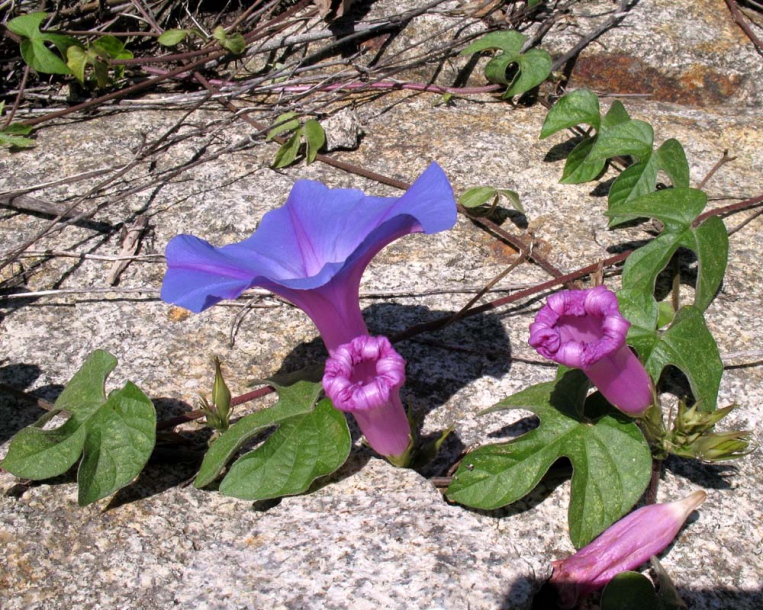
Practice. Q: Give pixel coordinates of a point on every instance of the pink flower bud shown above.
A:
(622, 547)
(584, 329)
(364, 377)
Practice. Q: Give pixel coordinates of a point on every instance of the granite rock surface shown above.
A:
(372, 536)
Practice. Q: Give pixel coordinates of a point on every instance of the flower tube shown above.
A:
(622, 547)
(311, 251)
(584, 329)
(364, 378)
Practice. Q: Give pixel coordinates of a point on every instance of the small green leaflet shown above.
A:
(610, 457)
(315, 138)
(114, 434)
(13, 135)
(33, 50)
(312, 132)
(235, 43)
(476, 196)
(533, 66)
(97, 55)
(312, 440)
(171, 38)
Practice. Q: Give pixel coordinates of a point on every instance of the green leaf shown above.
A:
(579, 106)
(635, 181)
(287, 152)
(629, 591)
(296, 398)
(41, 454)
(672, 160)
(76, 60)
(27, 25)
(534, 68)
(627, 138)
(644, 264)
(689, 346)
(710, 243)
(675, 208)
(286, 122)
(303, 448)
(513, 198)
(120, 438)
(33, 49)
(11, 136)
(235, 43)
(315, 138)
(117, 434)
(610, 457)
(38, 57)
(509, 41)
(579, 166)
(171, 38)
(615, 115)
(111, 47)
(476, 196)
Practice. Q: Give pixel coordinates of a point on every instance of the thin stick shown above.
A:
(721, 162)
(739, 18)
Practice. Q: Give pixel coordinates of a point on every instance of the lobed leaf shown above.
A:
(287, 152)
(534, 68)
(120, 438)
(172, 38)
(116, 434)
(672, 160)
(315, 138)
(689, 346)
(610, 457)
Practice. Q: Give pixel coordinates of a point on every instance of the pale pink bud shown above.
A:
(623, 546)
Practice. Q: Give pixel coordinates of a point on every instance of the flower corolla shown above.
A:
(312, 251)
(584, 329)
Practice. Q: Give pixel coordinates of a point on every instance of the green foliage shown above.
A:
(532, 67)
(97, 54)
(311, 440)
(33, 45)
(172, 38)
(610, 458)
(478, 196)
(13, 135)
(311, 132)
(234, 43)
(629, 591)
(115, 435)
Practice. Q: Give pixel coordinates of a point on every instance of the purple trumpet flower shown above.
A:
(623, 546)
(364, 377)
(312, 251)
(584, 329)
